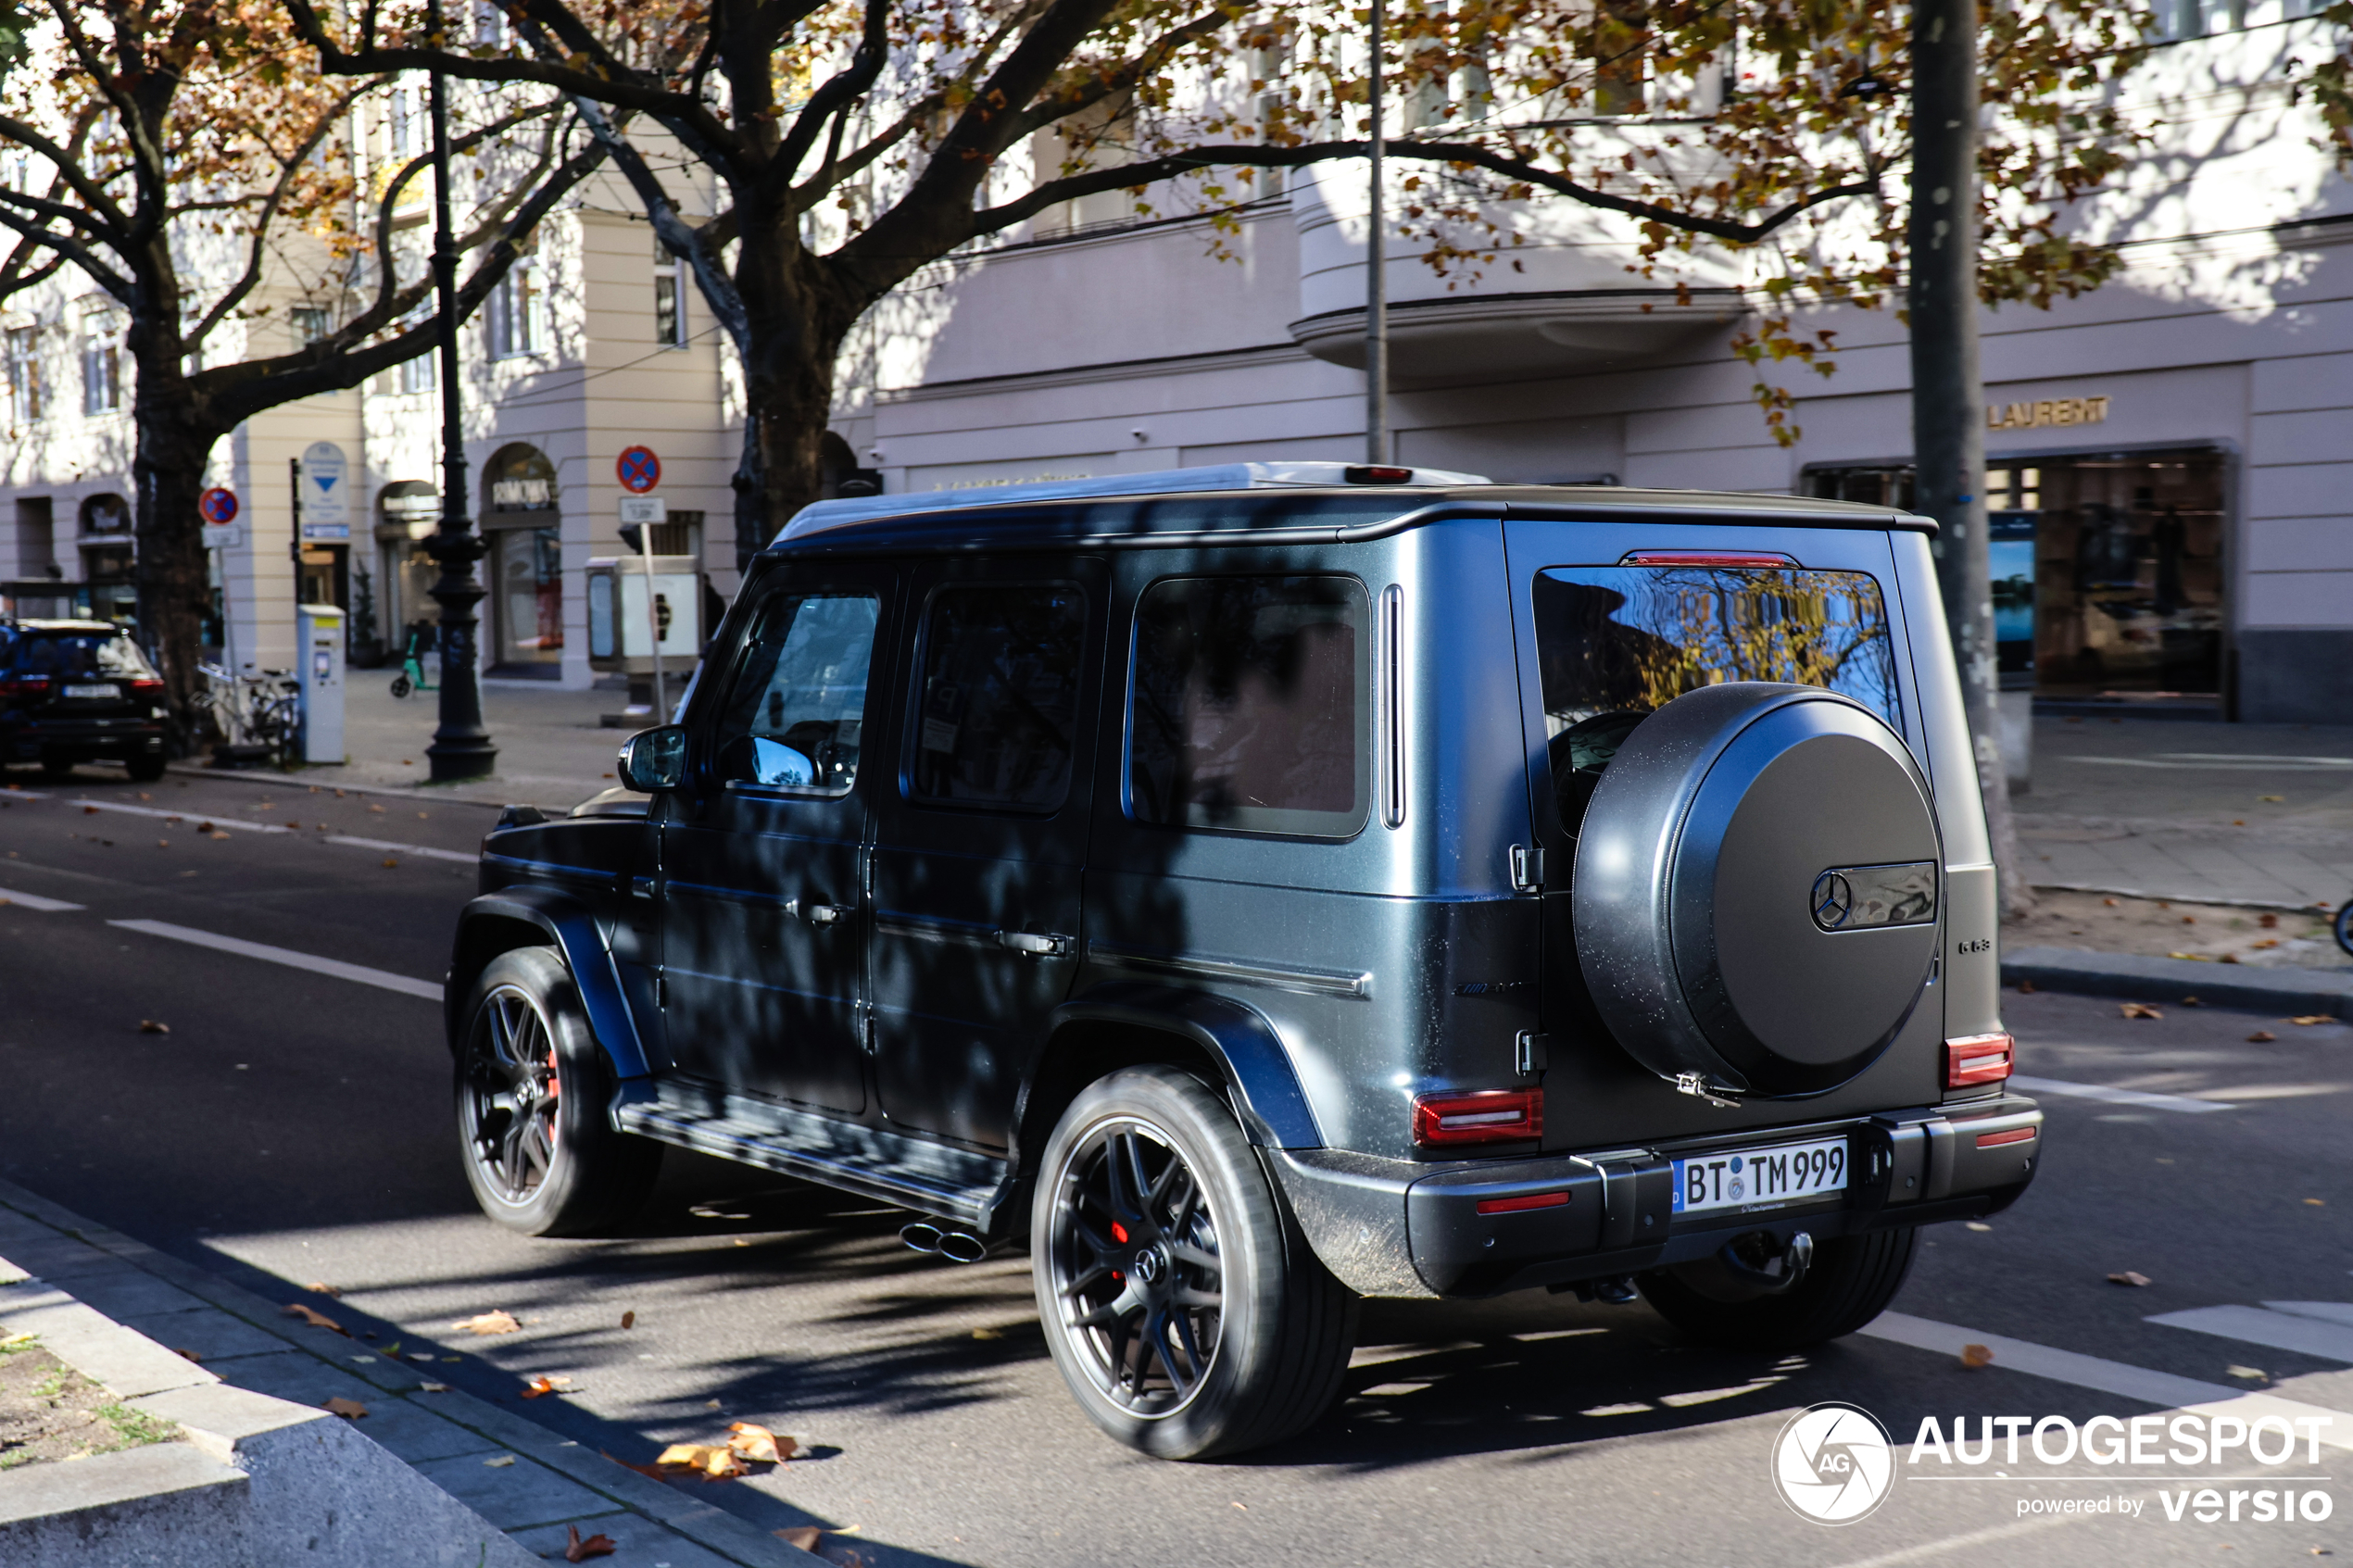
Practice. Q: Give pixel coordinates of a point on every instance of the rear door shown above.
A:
(981, 841)
(762, 851)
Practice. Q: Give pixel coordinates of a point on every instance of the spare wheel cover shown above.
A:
(1757, 888)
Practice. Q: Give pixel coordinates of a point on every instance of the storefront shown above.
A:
(522, 527)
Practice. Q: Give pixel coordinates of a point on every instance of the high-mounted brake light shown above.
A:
(1738, 561)
(1378, 473)
(1978, 1059)
(1482, 1116)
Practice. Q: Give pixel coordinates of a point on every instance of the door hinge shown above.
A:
(1531, 1053)
(1527, 868)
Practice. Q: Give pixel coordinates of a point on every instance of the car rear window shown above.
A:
(1614, 642)
(70, 656)
(1250, 710)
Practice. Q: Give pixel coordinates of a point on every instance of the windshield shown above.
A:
(70, 656)
(1616, 643)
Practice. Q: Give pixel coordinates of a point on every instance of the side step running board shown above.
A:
(950, 1183)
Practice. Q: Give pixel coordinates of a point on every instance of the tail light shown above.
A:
(147, 688)
(1482, 1116)
(1978, 1059)
(25, 685)
(1737, 560)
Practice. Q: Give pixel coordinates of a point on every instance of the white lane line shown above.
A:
(2248, 763)
(390, 847)
(2161, 1389)
(178, 816)
(35, 902)
(2117, 1096)
(2281, 1331)
(336, 968)
(2327, 1311)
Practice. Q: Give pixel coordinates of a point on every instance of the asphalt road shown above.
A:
(295, 1125)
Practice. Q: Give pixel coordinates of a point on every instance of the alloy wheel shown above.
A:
(511, 1095)
(1135, 1267)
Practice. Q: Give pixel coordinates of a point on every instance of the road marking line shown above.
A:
(2163, 1389)
(2186, 759)
(2327, 1311)
(178, 816)
(2281, 1331)
(35, 902)
(386, 844)
(334, 967)
(2117, 1096)
(1927, 1550)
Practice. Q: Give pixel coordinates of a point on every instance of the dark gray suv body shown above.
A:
(1545, 886)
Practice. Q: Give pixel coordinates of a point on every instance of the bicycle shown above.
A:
(413, 670)
(261, 711)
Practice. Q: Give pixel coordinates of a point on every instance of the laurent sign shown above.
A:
(2048, 411)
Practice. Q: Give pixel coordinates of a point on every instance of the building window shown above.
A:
(309, 324)
(517, 317)
(418, 374)
(669, 301)
(27, 398)
(400, 129)
(1621, 66)
(101, 365)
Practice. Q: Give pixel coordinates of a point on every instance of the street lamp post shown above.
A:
(460, 747)
(1376, 264)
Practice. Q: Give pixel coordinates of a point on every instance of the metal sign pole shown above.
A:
(1376, 263)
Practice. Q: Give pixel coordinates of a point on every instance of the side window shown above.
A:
(997, 699)
(793, 715)
(1251, 708)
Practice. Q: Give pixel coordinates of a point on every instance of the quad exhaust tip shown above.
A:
(952, 1242)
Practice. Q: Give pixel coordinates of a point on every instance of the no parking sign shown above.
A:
(218, 506)
(638, 468)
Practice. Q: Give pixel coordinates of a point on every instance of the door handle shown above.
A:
(820, 914)
(1035, 946)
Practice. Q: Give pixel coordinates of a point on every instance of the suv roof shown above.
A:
(1293, 501)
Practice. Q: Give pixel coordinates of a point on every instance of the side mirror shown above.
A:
(654, 760)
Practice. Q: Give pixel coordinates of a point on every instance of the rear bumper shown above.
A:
(75, 739)
(1390, 1227)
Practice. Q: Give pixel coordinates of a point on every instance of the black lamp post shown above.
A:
(460, 747)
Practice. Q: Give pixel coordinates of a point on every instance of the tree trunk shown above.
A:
(1948, 401)
(168, 475)
(796, 318)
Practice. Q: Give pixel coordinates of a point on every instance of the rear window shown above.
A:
(1614, 642)
(73, 655)
(1250, 710)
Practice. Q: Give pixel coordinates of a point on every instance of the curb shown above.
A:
(440, 1450)
(2286, 991)
(2317, 907)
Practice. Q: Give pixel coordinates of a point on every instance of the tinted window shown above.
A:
(793, 716)
(998, 696)
(1615, 642)
(1250, 709)
(70, 656)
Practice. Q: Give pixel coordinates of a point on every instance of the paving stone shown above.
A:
(210, 1332)
(513, 1497)
(636, 1540)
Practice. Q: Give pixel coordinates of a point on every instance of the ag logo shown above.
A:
(1833, 1463)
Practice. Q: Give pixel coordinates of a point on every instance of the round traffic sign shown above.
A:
(218, 505)
(639, 470)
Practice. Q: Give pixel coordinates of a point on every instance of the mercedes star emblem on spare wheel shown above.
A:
(1834, 900)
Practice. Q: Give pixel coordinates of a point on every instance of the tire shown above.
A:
(2342, 926)
(1851, 1282)
(531, 1088)
(1244, 1334)
(144, 770)
(400, 686)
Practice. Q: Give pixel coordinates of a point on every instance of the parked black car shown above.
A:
(78, 691)
(1296, 884)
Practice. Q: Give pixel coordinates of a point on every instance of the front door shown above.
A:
(979, 849)
(762, 851)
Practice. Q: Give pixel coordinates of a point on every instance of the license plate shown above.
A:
(1753, 1178)
(103, 693)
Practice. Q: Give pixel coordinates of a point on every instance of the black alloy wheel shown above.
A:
(1187, 1315)
(1134, 1260)
(533, 1088)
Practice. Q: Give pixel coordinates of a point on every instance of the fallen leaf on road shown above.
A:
(711, 1404)
(1976, 1356)
(2140, 1010)
(578, 1550)
(1979, 1225)
(190, 1354)
(391, 864)
(489, 1322)
(2228, 958)
(163, 843)
(205, 827)
(2247, 1372)
(2191, 1002)
(2026, 988)
(2194, 958)
(315, 1319)
(656, 1471)
(218, 834)
(539, 1386)
(89, 810)
(377, 809)
(805, 1536)
(760, 1445)
(714, 1461)
(2238, 821)
(988, 1334)
(2311, 1018)
(1243, 1506)
(350, 1409)
(150, 1026)
(2109, 902)
(501, 1462)
(2266, 945)
(2274, 798)
(433, 1387)
(2262, 1035)
(2130, 1276)
(321, 1288)
(628, 1320)
(2317, 1202)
